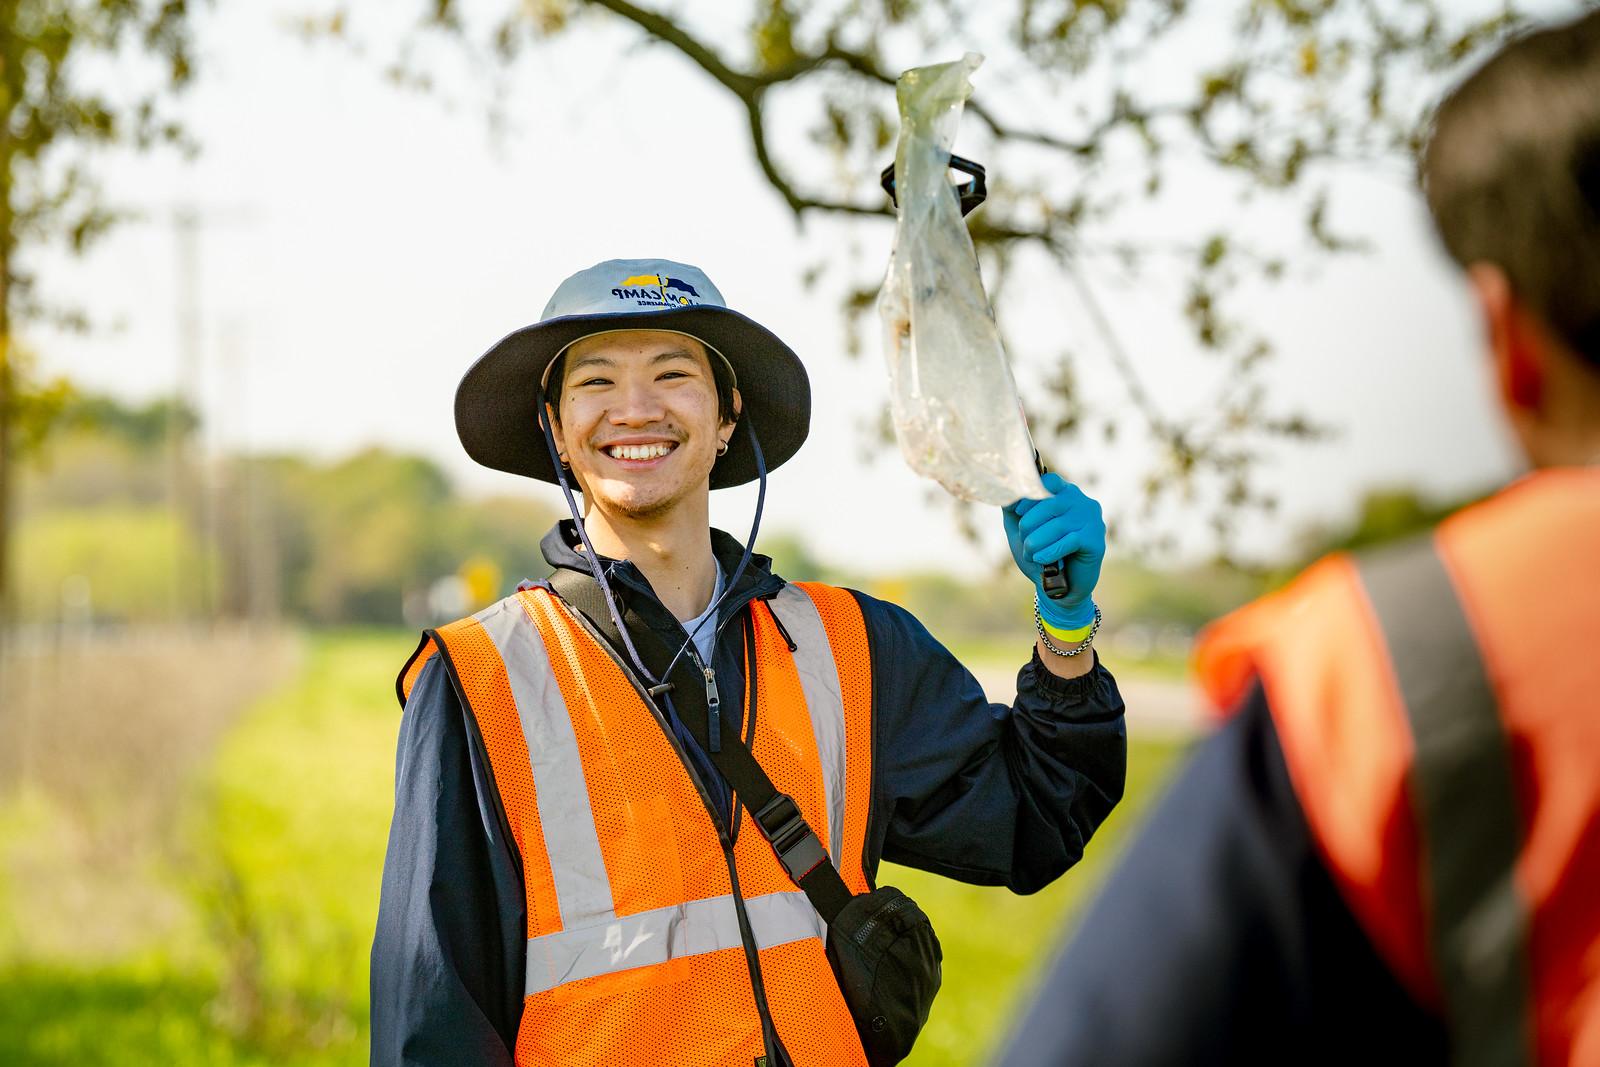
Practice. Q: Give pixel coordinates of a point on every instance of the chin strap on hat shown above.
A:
(749, 544)
(572, 506)
(599, 571)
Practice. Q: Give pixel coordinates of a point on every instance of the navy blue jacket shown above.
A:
(1221, 938)
(984, 793)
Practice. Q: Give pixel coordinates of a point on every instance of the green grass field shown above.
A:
(278, 861)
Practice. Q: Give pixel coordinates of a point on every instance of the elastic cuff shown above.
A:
(1066, 690)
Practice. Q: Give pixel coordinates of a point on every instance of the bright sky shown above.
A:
(366, 244)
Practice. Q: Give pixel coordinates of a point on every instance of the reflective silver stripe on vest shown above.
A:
(819, 682)
(1465, 804)
(654, 937)
(583, 889)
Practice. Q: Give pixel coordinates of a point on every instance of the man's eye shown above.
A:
(595, 381)
(673, 374)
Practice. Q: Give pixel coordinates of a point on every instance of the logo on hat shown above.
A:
(637, 288)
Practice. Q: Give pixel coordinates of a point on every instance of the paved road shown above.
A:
(1155, 705)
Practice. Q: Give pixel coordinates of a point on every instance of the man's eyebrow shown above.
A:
(606, 361)
(585, 361)
(676, 353)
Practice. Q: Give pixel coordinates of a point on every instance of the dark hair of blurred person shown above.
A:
(1512, 178)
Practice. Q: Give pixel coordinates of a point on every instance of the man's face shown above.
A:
(639, 422)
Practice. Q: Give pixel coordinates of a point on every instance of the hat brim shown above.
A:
(498, 398)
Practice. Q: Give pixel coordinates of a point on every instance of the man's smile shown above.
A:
(638, 454)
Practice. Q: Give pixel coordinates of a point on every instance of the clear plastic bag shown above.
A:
(951, 393)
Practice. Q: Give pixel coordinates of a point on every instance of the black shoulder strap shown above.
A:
(1464, 796)
(775, 813)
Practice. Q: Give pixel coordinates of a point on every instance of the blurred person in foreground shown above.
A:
(569, 879)
(1390, 851)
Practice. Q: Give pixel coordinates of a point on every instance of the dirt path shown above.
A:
(103, 737)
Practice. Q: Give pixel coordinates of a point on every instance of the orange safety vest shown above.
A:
(634, 947)
(1438, 706)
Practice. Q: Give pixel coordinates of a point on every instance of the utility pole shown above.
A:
(191, 488)
(250, 564)
(186, 492)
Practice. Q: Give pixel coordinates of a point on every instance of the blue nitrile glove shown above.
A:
(1066, 526)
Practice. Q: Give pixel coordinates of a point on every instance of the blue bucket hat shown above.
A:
(498, 398)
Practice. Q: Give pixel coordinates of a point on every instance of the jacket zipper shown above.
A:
(713, 707)
(778, 1056)
(866, 928)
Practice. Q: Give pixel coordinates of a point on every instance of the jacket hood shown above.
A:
(561, 549)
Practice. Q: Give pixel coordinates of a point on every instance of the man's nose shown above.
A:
(636, 404)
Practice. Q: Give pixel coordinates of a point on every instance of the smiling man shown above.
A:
(640, 419)
(571, 878)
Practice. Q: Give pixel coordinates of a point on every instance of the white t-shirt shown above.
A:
(705, 637)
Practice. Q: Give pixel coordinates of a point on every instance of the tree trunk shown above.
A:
(8, 377)
(7, 452)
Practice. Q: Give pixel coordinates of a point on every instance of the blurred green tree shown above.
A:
(1088, 111)
(793, 559)
(115, 563)
(1384, 515)
(53, 117)
(330, 542)
(504, 529)
(368, 520)
(100, 452)
(350, 541)
(92, 507)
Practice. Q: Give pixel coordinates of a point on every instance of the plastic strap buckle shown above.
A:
(790, 836)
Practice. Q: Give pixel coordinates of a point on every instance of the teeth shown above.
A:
(639, 451)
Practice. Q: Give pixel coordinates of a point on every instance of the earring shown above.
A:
(722, 449)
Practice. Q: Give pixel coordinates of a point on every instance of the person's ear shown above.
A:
(1516, 344)
(738, 409)
(555, 430)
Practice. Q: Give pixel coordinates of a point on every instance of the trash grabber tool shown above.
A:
(953, 400)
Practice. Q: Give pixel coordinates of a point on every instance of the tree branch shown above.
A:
(1119, 355)
(1087, 145)
(1248, 117)
(698, 52)
(798, 202)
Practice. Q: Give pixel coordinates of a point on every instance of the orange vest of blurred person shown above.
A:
(1438, 705)
(635, 953)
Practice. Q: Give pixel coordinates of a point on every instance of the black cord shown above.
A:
(599, 572)
(744, 560)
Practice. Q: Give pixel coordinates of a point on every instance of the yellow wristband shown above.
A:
(1071, 637)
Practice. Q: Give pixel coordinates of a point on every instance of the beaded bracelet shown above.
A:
(1050, 646)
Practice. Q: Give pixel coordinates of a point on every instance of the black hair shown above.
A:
(1511, 172)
